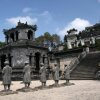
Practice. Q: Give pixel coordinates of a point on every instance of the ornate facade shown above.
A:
(86, 37)
(20, 47)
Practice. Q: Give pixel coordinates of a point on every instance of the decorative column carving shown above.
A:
(46, 61)
(33, 61)
(31, 58)
(14, 37)
(41, 59)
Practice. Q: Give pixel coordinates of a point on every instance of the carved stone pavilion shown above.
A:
(20, 47)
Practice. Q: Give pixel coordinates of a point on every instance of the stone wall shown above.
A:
(20, 55)
(63, 61)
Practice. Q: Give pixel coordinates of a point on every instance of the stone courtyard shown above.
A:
(82, 90)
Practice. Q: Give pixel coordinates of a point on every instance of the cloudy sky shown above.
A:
(54, 16)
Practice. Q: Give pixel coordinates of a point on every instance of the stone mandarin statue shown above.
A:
(42, 74)
(56, 74)
(7, 71)
(27, 74)
(67, 73)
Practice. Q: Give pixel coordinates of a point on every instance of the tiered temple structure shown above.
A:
(20, 47)
(86, 37)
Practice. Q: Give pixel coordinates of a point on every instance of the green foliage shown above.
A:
(2, 44)
(39, 40)
(47, 37)
(97, 44)
(56, 38)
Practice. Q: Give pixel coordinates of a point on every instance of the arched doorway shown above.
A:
(12, 37)
(3, 58)
(43, 58)
(37, 61)
(30, 35)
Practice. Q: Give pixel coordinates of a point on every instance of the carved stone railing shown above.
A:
(77, 60)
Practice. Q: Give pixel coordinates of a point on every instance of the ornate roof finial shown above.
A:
(19, 23)
(26, 22)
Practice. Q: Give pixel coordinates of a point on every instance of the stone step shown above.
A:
(82, 78)
(82, 74)
(82, 70)
(87, 67)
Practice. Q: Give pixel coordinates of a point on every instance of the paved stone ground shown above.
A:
(82, 90)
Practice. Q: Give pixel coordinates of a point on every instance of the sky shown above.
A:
(53, 16)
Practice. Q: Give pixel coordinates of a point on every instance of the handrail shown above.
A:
(76, 61)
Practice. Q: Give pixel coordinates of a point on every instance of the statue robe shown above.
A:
(27, 74)
(56, 73)
(7, 71)
(42, 74)
(67, 73)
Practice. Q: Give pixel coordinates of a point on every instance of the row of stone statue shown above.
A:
(7, 72)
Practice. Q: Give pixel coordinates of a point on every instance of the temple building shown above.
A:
(86, 37)
(71, 39)
(20, 47)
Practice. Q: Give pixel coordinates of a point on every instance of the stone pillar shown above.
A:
(14, 37)
(41, 59)
(46, 61)
(87, 49)
(33, 61)
(33, 65)
(92, 40)
(6, 39)
(69, 45)
(33, 36)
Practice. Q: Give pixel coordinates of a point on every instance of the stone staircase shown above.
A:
(87, 67)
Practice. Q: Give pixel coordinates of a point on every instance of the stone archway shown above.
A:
(12, 37)
(30, 35)
(37, 61)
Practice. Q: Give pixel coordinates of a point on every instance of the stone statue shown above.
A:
(27, 74)
(42, 74)
(67, 73)
(56, 74)
(7, 71)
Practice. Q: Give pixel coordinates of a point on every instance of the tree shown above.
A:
(97, 43)
(39, 40)
(48, 39)
(2, 44)
(47, 36)
(56, 38)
